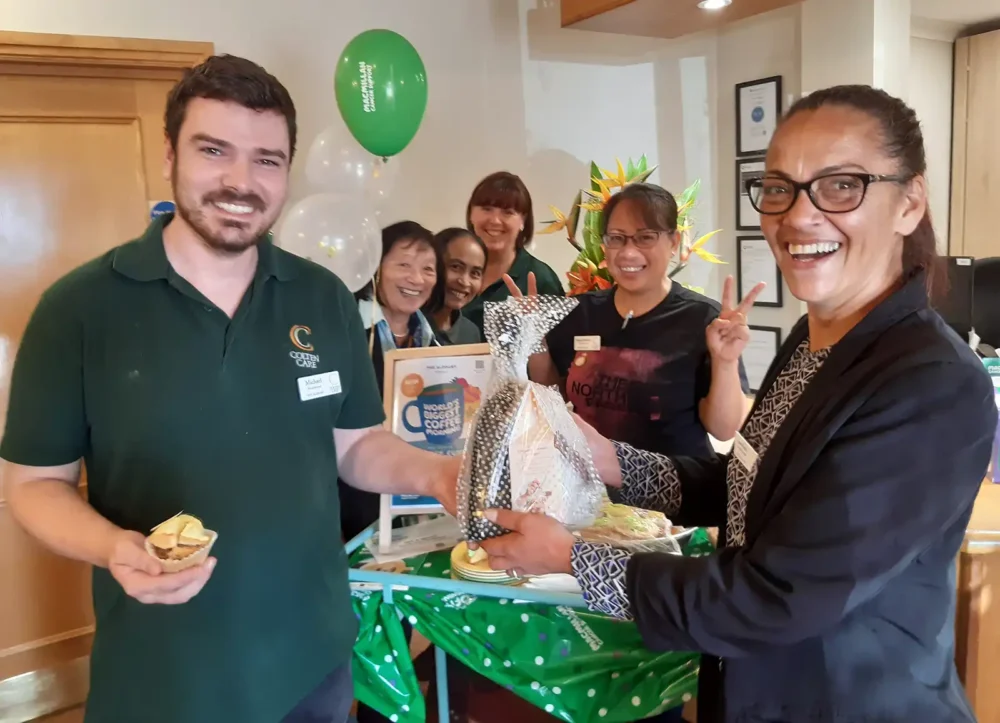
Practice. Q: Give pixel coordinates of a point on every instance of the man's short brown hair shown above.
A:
(234, 79)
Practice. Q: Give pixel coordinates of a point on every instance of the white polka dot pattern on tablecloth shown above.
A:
(549, 708)
(507, 663)
(413, 620)
(394, 718)
(636, 701)
(406, 708)
(466, 629)
(388, 658)
(557, 690)
(535, 685)
(686, 697)
(539, 660)
(602, 712)
(378, 628)
(487, 662)
(491, 629)
(524, 617)
(591, 693)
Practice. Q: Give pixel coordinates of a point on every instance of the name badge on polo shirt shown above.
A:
(745, 452)
(319, 385)
(586, 343)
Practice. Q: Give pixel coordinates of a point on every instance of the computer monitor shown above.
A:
(956, 306)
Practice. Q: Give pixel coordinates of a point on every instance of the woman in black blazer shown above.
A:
(846, 498)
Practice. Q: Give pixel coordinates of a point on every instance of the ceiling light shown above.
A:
(714, 4)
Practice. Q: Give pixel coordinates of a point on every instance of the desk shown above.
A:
(977, 617)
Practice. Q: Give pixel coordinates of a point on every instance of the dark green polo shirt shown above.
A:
(173, 406)
(524, 264)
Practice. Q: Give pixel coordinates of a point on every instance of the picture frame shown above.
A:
(756, 263)
(758, 109)
(431, 396)
(763, 347)
(747, 218)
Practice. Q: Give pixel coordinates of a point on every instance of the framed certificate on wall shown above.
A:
(758, 108)
(431, 396)
(755, 263)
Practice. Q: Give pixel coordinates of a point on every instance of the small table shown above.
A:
(544, 646)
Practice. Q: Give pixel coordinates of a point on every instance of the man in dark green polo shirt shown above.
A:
(199, 368)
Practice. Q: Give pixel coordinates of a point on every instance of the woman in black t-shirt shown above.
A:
(641, 361)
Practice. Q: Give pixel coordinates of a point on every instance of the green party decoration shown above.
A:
(576, 665)
(381, 89)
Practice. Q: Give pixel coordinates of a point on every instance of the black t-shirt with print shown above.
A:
(644, 384)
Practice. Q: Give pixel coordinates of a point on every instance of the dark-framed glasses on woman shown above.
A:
(644, 239)
(830, 193)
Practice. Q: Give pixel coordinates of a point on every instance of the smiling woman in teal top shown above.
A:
(499, 212)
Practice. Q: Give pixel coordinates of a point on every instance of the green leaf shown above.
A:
(573, 220)
(641, 177)
(642, 164)
(631, 170)
(592, 236)
(595, 172)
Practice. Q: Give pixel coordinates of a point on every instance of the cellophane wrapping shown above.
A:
(525, 451)
(632, 529)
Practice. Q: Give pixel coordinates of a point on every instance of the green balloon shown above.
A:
(381, 88)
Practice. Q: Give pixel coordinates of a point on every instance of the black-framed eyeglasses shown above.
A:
(645, 239)
(830, 193)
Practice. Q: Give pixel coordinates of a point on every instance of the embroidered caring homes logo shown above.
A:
(300, 339)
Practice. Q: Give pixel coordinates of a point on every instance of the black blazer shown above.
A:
(840, 608)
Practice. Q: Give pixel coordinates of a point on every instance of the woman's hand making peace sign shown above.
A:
(727, 336)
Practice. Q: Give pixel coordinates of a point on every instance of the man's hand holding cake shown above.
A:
(169, 567)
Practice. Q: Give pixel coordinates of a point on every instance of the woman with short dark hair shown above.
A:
(642, 361)
(390, 312)
(500, 213)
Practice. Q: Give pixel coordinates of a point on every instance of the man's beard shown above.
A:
(236, 236)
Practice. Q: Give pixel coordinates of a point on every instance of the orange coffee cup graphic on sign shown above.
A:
(411, 385)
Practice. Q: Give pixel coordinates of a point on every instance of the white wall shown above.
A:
(510, 89)
(760, 47)
(931, 87)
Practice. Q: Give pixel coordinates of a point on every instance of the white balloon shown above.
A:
(336, 162)
(336, 231)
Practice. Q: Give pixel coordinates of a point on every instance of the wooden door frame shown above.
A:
(45, 691)
(98, 57)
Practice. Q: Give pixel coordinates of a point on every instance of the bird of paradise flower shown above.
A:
(590, 270)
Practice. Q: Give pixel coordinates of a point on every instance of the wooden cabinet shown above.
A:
(975, 183)
(977, 616)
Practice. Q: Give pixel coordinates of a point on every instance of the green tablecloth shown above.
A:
(576, 665)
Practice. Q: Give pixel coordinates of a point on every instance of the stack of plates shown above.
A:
(479, 571)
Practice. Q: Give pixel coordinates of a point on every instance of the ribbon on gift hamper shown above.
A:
(575, 665)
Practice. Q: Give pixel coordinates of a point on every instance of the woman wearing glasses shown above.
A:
(643, 361)
(850, 486)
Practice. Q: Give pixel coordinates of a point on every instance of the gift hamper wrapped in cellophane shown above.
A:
(525, 451)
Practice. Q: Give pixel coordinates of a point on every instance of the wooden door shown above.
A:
(81, 160)
(975, 185)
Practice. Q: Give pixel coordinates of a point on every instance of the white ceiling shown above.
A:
(957, 11)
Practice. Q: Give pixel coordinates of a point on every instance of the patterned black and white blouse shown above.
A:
(650, 481)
